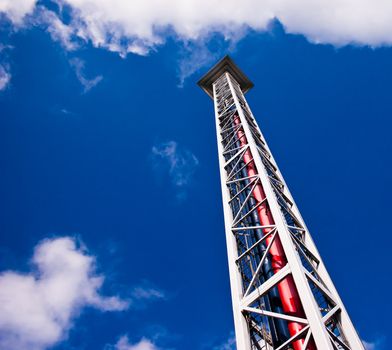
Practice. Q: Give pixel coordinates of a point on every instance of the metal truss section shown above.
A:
(283, 297)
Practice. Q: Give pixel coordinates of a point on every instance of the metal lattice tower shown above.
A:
(282, 295)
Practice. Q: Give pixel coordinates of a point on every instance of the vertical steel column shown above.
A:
(240, 324)
(246, 168)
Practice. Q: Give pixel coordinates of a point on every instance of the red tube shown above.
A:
(289, 296)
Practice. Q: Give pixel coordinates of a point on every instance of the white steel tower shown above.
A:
(282, 295)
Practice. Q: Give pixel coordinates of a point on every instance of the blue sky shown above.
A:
(109, 182)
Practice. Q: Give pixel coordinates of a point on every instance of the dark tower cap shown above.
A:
(226, 64)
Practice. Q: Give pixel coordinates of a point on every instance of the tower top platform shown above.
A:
(226, 64)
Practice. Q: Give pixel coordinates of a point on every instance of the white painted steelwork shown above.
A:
(326, 324)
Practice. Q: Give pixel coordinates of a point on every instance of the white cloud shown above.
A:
(87, 84)
(16, 10)
(229, 344)
(124, 344)
(179, 163)
(5, 77)
(140, 25)
(37, 309)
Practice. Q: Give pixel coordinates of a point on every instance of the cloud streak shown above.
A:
(378, 344)
(124, 344)
(57, 29)
(180, 164)
(5, 77)
(369, 346)
(229, 344)
(78, 65)
(5, 74)
(37, 308)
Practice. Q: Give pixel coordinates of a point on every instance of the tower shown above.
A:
(282, 295)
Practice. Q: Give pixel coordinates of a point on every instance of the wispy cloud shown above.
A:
(124, 344)
(147, 293)
(153, 336)
(369, 346)
(37, 308)
(58, 30)
(144, 294)
(79, 65)
(195, 55)
(65, 111)
(5, 74)
(377, 344)
(5, 77)
(180, 164)
(229, 344)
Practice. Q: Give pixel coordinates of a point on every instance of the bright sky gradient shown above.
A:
(111, 223)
